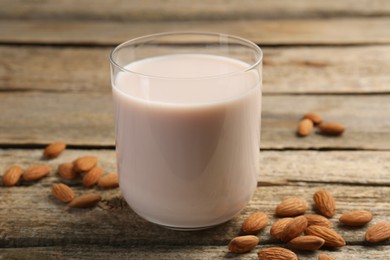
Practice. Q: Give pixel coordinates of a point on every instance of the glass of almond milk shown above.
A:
(187, 109)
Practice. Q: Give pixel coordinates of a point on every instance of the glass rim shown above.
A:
(211, 34)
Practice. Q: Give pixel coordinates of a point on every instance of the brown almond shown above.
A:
(85, 163)
(325, 203)
(294, 228)
(325, 257)
(278, 227)
(62, 192)
(318, 220)
(36, 172)
(85, 201)
(291, 207)
(66, 171)
(92, 177)
(12, 176)
(54, 150)
(310, 243)
(109, 181)
(304, 127)
(331, 128)
(378, 232)
(331, 237)
(356, 218)
(243, 244)
(255, 222)
(314, 117)
(276, 253)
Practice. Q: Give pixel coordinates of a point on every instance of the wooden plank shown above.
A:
(286, 70)
(264, 32)
(87, 119)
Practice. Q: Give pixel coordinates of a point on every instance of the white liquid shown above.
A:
(187, 149)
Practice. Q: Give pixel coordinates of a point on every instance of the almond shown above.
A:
(378, 232)
(304, 127)
(331, 237)
(255, 222)
(12, 176)
(331, 128)
(243, 244)
(62, 192)
(66, 171)
(325, 257)
(85, 201)
(92, 177)
(325, 203)
(318, 220)
(294, 228)
(36, 172)
(291, 207)
(306, 243)
(276, 253)
(356, 218)
(278, 227)
(84, 163)
(315, 118)
(54, 150)
(109, 181)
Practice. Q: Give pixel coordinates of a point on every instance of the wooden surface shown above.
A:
(331, 57)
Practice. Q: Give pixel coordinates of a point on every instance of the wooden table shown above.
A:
(332, 57)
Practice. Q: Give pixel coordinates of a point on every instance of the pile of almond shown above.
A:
(309, 120)
(84, 167)
(304, 231)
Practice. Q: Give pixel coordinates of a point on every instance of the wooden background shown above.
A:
(332, 57)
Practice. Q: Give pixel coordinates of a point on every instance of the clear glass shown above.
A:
(187, 109)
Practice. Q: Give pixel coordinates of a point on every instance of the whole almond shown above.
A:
(276, 253)
(85, 163)
(356, 218)
(325, 257)
(62, 192)
(318, 220)
(54, 150)
(278, 227)
(378, 232)
(36, 172)
(109, 181)
(315, 118)
(325, 203)
(12, 176)
(294, 228)
(331, 237)
(66, 171)
(306, 243)
(92, 177)
(304, 127)
(255, 222)
(291, 207)
(331, 128)
(243, 244)
(85, 201)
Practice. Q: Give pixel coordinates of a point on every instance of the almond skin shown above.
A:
(66, 171)
(330, 128)
(310, 243)
(276, 253)
(356, 218)
(85, 201)
(378, 232)
(109, 181)
(318, 220)
(254, 223)
(84, 163)
(62, 192)
(331, 237)
(294, 228)
(36, 172)
(243, 244)
(278, 227)
(304, 127)
(54, 150)
(92, 177)
(325, 203)
(12, 176)
(314, 117)
(291, 207)
(325, 257)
